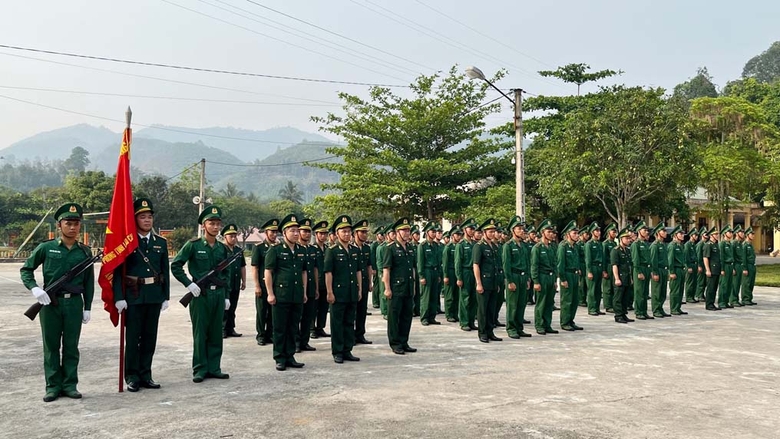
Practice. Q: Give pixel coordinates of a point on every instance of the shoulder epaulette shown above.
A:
(195, 239)
(159, 236)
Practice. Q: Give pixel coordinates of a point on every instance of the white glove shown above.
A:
(85, 318)
(121, 305)
(227, 303)
(194, 289)
(41, 296)
(164, 306)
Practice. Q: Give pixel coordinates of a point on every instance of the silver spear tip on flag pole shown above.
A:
(128, 116)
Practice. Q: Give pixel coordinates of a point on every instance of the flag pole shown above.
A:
(128, 118)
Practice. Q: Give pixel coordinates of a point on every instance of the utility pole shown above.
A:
(202, 194)
(519, 165)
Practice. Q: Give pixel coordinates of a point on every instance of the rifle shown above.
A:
(62, 284)
(210, 277)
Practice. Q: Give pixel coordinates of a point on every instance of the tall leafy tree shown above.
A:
(78, 160)
(577, 73)
(290, 192)
(700, 86)
(764, 67)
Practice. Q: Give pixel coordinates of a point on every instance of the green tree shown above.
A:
(420, 155)
(247, 215)
(180, 236)
(78, 160)
(578, 74)
(700, 86)
(231, 190)
(291, 193)
(281, 208)
(25, 229)
(764, 67)
(92, 189)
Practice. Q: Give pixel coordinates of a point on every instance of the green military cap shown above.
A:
(230, 229)
(389, 229)
(446, 234)
(640, 225)
(531, 229)
(471, 222)
(625, 232)
(593, 226)
(289, 221)
(571, 226)
(379, 230)
(726, 228)
(516, 221)
(500, 230)
(714, 231)
(143, 205)
(456, 230)
(271, 224)
(68, 211)
(402, 223)
(657, 228)
(430, 226)
(211, 212)
(415, 229)
(305, 224)
(676, 230)
(490, 223)
(738, 228)
(704, 231)
(546, 225)
(749, 231)
(611, 226)
(694, 231)
(341, 222)
(321, 226)
(361, 225)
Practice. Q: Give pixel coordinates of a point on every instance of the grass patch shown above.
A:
(768, 275)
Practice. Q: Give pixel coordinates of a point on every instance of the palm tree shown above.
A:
(231, 191)
(290, 192)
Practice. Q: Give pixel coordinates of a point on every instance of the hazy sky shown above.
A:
(658, 43)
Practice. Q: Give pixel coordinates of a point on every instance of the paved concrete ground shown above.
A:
(700, 376)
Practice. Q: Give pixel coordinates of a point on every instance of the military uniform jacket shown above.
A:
(464, 251)
(622, 259)
(659, 261)
(57, 260)
(428, 262)
(594, 259)
(568, 260)
(700, 253)
(373, 249)
(581, 256)
(606, 248)
(312, 252)
(712, 251)
(234, 269)
(675, 256)
(258, 261)
(448, 261)
(200, 258)
(485, 255)
(380, 255)
(287, 266)
(726, 254)
(320, 265)
(344, 265)
(640, 255)
(750, 254)
(739, 254)
(148, 261)
(691, 259)
(364, 264)
(400, 261)
(516, 259)
(543, 262)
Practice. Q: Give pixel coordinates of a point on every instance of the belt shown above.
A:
(68, 295)
(146, 280)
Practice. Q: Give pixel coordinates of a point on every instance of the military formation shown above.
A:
(308, 274)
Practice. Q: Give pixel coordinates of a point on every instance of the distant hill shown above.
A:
(256, 146)
(57, 144)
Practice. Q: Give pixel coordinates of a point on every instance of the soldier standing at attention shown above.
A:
(516, 258)
(380, 237)
(726, 267)
(641, 260)
(620, 261)
(712, 268)
(739, 265)
(414, 242)
(582, 291)
(543, 273)
(61, 323)
(569, 272)
(390, 237)
(692, 265)
(147, 289)
(749, 275)
(236, 281)
(677, 269)
(608, 284)
(659, 270)
(451, 290)
(485, 264)
(309, 313)
(701, 279)
(595, 269)
(440, 246)
(343, 280)
(263, 320)
(530, 242)
(208, 307)
(286, 279)
(320, 241)
(398, 276)
(498, 242)
(464, 272)
(429, 269)
(366, 276)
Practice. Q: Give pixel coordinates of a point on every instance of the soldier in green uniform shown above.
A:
(440, 241)
(726, 267)
(343, 280)
(739, 266)
(677, 268)
(208, 306)
(61, 323)
(641, 261)
(398, 263)
(701, 279)
(749, 275)
(464, 273)
(543, 273)
(236, 281)
(263, 319)
(429, 269)
(451, 290)
(568, 261)
(530, 241)
(375, 282)
(620, 263)
(390, 237)
(309, 313)
(659, 271)
(414, 242)
(712, 268)
(516, 258)
(142, 288)
(584, 237)
(692, 266)
(485, 264)
(500, 293)
(608, 284)
(321, 242)
(364, 267)
(595, 269)
(286, 279)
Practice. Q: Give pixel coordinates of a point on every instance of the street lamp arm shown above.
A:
(500, 91)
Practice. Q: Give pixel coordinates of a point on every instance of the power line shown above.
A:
(196, 69)
(273, 164)
(183, 171)
(339, 35)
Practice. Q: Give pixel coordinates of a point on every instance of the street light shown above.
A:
(475, 73)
